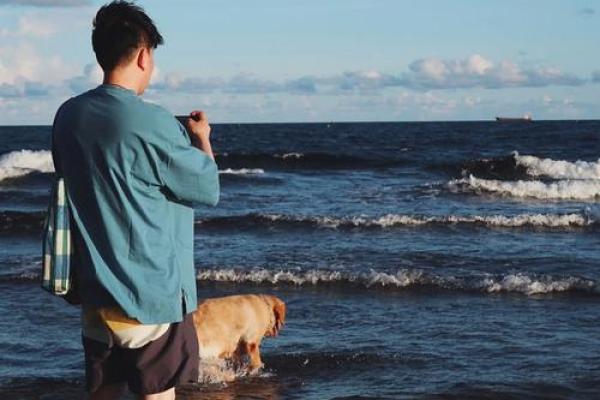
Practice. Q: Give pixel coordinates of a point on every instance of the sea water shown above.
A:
(444, 260)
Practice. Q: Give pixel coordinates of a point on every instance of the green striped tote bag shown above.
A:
(56, 245)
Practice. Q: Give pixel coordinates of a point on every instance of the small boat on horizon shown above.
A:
(524, 118)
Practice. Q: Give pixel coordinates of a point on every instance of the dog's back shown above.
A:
(223, 324)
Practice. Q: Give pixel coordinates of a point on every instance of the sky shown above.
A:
(321, 60)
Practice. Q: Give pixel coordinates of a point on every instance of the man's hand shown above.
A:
(199, 129)
(197, 125)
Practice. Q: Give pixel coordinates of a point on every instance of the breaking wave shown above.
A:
(242, 171)
(587, 190)
(23, 162)
(527, 284)
(405, 279)
(573, 220)
(514, 167)
(526, 167)
(32, 222)
(558, 169)
(20, 163)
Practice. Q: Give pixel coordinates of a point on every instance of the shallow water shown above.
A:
(417, 260)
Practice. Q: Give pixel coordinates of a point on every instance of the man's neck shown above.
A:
(114, 79)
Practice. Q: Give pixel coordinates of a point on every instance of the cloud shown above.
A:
(422, 74)
(472, 72)
(17, 62)
(477, 71)
(424, 90)
(22, 61)
(46, 3)
(246, 83)
(29, 26)
(91, 77)
(37, 27)
(362, 81)
(238, 84)
(303, 85)
(179, 83)
(23, 88)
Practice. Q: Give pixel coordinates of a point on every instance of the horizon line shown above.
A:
(360, 122)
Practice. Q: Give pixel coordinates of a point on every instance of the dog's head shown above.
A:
(278, 308)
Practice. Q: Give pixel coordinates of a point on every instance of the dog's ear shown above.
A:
(279, 314)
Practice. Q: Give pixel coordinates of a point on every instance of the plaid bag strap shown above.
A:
(56, 244)
(57, 249)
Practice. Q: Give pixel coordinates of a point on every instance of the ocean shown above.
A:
(429, 260)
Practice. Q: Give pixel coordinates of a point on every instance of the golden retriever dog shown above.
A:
(232, 327)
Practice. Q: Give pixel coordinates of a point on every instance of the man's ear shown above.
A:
(143, 58)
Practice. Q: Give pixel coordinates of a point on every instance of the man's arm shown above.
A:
(199, 130)
(189, 173)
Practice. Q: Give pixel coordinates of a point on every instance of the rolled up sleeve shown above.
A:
(186, 172)
(191, 175)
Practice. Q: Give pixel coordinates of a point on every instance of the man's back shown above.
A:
(131, 176)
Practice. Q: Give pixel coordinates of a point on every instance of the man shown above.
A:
(132, 173)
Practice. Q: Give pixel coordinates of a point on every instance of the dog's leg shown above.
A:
(238, 355)
(254, 353)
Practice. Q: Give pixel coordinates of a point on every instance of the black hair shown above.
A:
(120, 28)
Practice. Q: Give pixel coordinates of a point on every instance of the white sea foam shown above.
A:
(538, 220)
(290, 155)
(393, 220)
(528, 284)
(561, 190)
(216, 370)
(22, 162)
(403, 278)
(559, 169)
(531, 285)
(242, 171)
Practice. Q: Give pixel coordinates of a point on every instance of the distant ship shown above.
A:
(524, 118)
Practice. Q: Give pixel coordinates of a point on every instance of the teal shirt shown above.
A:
(132, 178)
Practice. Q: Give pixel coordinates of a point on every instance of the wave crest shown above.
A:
(22, 162)
(19, 163)
(572, 220)
(527, 284)
(32, 222)
(409, 279)
(561, 190)
(242, 171)
(558, 169)
(517, 167)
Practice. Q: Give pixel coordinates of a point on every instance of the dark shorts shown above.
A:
(168, 361)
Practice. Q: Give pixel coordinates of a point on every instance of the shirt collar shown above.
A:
(117, 88)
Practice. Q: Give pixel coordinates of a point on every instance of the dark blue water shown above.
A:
(418, 260)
